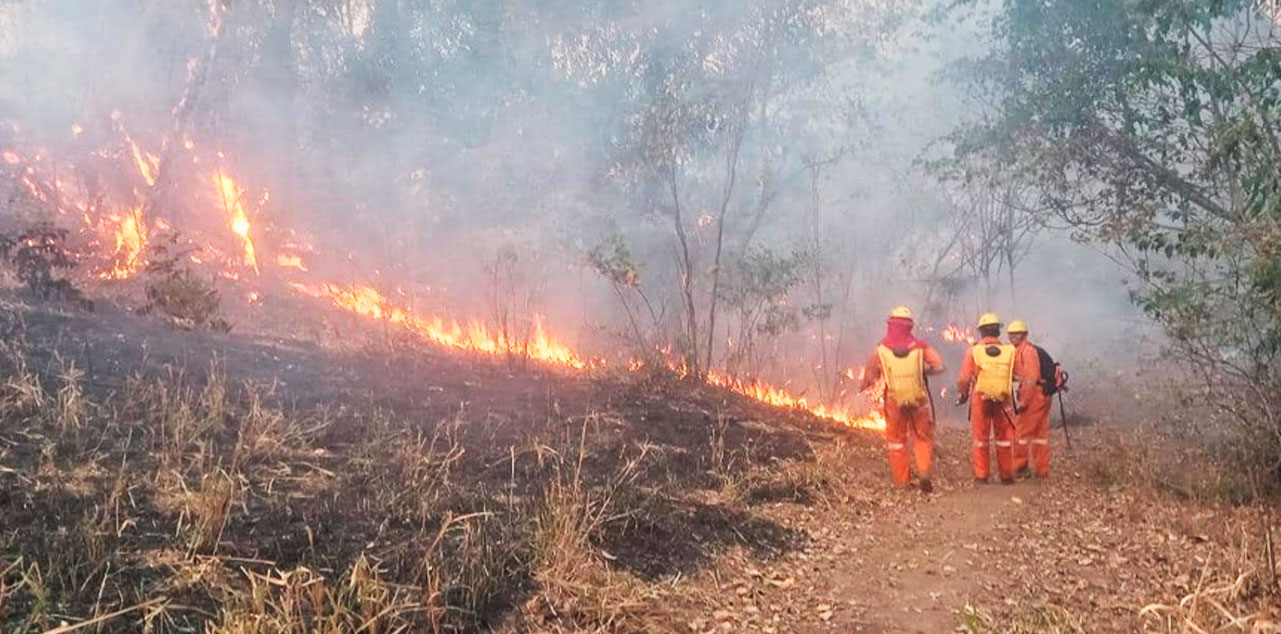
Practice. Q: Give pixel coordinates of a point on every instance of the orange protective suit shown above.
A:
(990, 421)
(903, 421)
(1033, 423)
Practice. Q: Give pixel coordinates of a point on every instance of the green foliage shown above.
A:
(178, 293)
(41, 257)
(614, 261)
(758, 286)
(1155, 127)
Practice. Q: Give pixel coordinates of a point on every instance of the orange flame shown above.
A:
(290, 262)
(131, 239)
(778, 397)
(477, 337)
(474, 337)
(148, 163)
(957, 334)
(236, 215)
(215, 18)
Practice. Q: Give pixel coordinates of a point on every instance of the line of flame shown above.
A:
(477, 337)
(130, 234)
(779, 397)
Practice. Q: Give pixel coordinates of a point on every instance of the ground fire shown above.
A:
(131, 241)
(120, 245)
(391, 316)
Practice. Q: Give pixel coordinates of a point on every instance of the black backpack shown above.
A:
(1053, 378)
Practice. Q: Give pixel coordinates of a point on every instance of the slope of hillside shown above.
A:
(176, 481)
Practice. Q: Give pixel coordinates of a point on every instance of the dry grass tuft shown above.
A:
(466, 569)
(21, 395)
(822, 478)
(302, 601)
(69, 411)
(1236, 604)
(207, 510)
(267, 432)
(1040, 619)
(179, 423)
(576, 585)
(408, 473)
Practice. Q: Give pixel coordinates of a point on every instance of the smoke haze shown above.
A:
(473, 156)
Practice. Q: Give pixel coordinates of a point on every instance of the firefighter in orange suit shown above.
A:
(1033, 424)
(904, 362)
(987, 382)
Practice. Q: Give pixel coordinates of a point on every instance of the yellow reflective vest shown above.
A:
(904, 376)
(996, 371)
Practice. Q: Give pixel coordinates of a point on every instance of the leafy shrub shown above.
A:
(41, 258)
(175, 291)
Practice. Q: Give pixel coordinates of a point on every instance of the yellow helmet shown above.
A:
(901, 312)
(1017, 327)
(989, 319)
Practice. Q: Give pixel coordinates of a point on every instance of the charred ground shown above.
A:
(131, 448)
(348, 477)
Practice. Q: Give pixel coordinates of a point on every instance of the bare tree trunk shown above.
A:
(641, 343)
(987, 288)
(827, 385)
(1011, 246)
(1009, 265)
(731, 179)
(687, 275)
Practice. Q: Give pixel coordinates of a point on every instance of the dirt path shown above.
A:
(900, 561)
(916, 564)
(909, 564)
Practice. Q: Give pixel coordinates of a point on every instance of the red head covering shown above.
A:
(898, 335)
